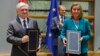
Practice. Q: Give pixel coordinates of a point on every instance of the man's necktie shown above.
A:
(62, 19)
(24, 21)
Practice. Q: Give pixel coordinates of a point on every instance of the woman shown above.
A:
(77, 23)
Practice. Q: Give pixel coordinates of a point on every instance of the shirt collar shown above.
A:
(21, 19)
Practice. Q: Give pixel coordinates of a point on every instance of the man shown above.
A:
(57, 24)
(16, 34)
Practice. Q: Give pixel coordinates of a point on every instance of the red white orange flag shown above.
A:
(22, 1)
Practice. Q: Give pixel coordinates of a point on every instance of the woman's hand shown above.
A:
(64, 41)
(81, 39)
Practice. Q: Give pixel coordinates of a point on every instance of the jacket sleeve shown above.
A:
(63, 31)
(87, 35)
(54, 25)
(11, 38)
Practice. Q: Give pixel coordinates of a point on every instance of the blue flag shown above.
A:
(52, 13)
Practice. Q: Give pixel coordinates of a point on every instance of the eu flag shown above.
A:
(52, 13)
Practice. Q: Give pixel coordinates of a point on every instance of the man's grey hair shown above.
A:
(19, 5)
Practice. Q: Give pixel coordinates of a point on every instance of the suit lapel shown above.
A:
(30, 25)
(19, 25)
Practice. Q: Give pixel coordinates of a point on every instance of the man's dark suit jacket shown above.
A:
(54, 28)
(56, 32)
(14, 34)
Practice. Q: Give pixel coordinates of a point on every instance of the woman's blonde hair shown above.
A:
(77, 4)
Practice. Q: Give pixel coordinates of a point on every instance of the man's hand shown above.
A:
(25, 39)
(60, 25)
(38, 48)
